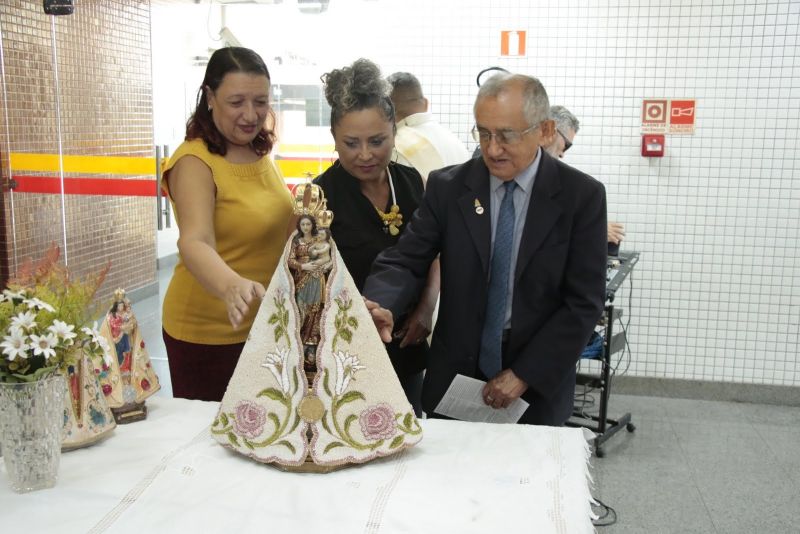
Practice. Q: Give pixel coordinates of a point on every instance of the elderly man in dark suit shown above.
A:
(521, 240)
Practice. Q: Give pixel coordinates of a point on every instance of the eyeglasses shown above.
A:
(567, 142)
(503, 137)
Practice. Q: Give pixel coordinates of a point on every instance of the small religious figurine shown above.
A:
(310, 261)
(87, 416)
(122, 324)
(130, 377)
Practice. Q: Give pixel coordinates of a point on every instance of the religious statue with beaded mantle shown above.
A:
(129, 378)
(314, 410)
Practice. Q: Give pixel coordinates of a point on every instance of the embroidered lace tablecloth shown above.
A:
(166, 474)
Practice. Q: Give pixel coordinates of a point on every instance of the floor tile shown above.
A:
(784, 443)
(788, 416)
(653, 498)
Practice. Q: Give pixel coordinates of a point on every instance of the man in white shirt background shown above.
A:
(421, 141)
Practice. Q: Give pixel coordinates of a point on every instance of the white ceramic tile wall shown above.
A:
(716, 295)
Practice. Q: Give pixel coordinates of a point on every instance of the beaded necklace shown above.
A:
(394, 218)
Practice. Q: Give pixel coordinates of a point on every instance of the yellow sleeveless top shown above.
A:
(251, 215)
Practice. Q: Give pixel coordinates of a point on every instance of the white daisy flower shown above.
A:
(15, 295)
(100, 341)
(15, 344)
(44, 345)
(26, 320)
(63, 330)
(88, 331)
(39, 304)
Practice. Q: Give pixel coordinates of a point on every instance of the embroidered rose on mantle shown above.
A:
(377, 422)
(250, 419)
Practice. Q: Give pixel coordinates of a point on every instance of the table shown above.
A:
(166, 474)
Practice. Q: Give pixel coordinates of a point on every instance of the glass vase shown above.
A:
(31, 421)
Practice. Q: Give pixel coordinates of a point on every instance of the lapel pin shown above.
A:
(478, 207)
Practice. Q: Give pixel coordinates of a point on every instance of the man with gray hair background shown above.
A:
(567, 126)
(421, 142)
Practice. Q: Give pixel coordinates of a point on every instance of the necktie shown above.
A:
(490, 359)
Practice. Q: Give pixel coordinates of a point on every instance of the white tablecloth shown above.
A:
(166, 474)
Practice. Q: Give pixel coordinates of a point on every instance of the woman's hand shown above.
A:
(419, 324)
(417, 327)
(239, 296)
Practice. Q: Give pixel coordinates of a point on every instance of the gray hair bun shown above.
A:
(355, 86)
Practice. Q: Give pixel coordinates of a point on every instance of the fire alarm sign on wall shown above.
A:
(663, 116)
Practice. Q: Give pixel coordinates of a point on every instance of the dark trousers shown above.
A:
(200, 372)
(412, 386)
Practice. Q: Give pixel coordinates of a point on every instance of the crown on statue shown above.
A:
(309, 199)
(119, 294)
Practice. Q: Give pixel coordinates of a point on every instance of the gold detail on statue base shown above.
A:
(311, 409)
(130, 413)
(392, 220)
(308, 466)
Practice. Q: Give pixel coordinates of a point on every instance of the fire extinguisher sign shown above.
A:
(512, 43)
(668, 116)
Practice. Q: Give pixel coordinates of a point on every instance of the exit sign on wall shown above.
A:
(512, 43)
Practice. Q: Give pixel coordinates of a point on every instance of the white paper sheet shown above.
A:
(463, 400)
